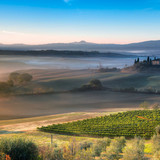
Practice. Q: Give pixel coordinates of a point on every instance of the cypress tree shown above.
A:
(135, 61)
(148, 59)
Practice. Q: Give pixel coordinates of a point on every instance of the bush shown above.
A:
(19, 149)
(156, 144)
(115, 148)
(101, 69)
(96, 84)
(156, 156)
(158, 130)
(67, 153)
(100, 146)
(5, 87)
(85, 155)
(85, 145)
(50, 153)
(134, 151)
(3, 156)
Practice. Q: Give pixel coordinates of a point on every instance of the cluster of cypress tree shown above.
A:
(148, 61)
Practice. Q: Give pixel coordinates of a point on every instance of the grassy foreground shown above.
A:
(84, 147)
(65, 147)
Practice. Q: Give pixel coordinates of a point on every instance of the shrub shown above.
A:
(3, 156)
(67, 153)
(5, 87)
(85, 145)
(115, 148)
(134, 151)
(19, 149)
(96, 84)
(101, 69)
(120, 142)
(100, 146)
(156, 156)
(73, 146)
(85, 154)
(158, 130)
(156, 144)
(50, 153)
(57, 154)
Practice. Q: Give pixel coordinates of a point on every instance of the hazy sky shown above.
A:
(100, 21)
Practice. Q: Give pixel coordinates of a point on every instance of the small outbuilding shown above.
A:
(156, 62)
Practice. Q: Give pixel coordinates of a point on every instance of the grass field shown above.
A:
(62, 80)
(69, 79)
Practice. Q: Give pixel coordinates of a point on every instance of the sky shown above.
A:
(64, 21)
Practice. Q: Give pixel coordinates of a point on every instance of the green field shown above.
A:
(68, 79)
(129, 124)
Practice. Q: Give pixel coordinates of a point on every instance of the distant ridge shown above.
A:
(86, 46)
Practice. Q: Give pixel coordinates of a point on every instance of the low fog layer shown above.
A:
(13, 63)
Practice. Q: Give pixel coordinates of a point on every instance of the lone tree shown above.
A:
(94, 84)
(19, 79)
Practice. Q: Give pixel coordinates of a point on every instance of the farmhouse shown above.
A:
(156, 62)
(149, 61)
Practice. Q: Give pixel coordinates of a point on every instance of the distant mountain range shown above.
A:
(83, 45)
(148, 46)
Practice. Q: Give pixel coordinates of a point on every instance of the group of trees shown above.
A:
(94, 84)
(19, 79)
(15, 79)
(148, 61)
